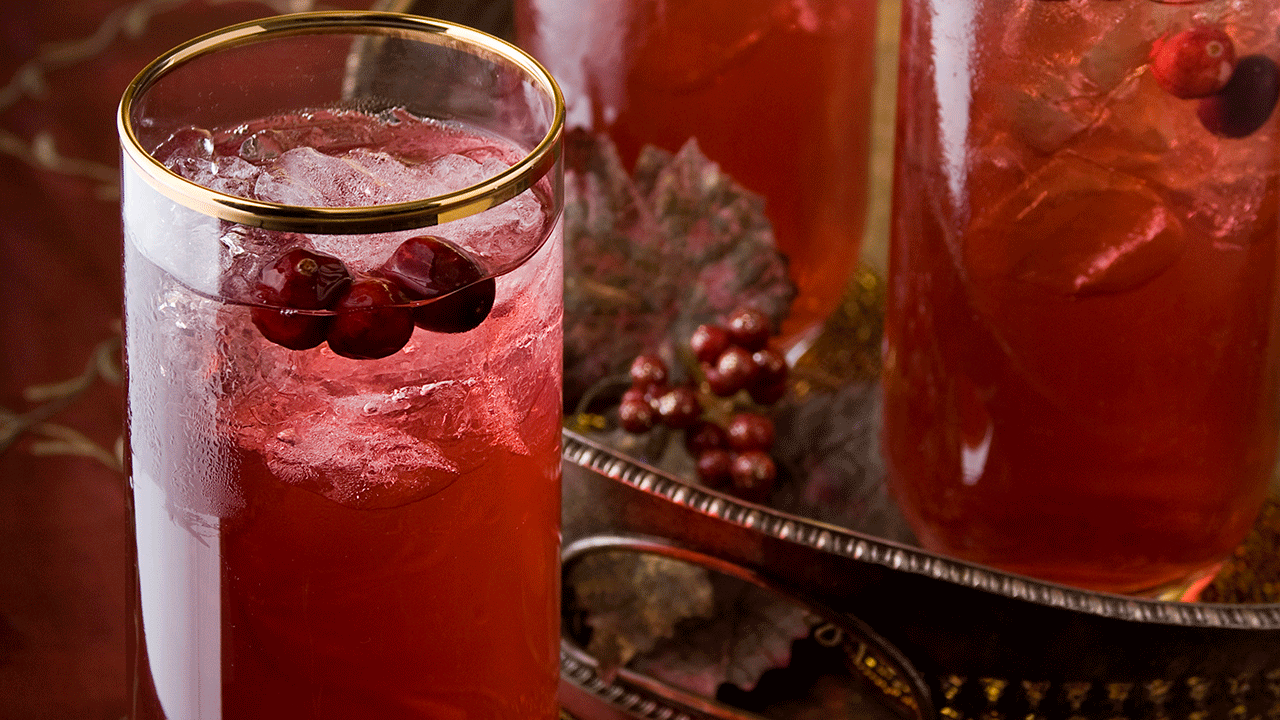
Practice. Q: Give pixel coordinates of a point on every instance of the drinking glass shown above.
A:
(778, 93)
(1081, 365)
(343, 282)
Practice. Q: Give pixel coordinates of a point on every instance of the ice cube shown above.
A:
(500, 237)
(1047, 118)
(1120, 54)
(352, 460)
(307, 177)
(1076, 228)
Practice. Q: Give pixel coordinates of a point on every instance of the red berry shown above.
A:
(750, 431)
(289, 328)
(768, 394)
(753, 473)
(427, 267)
(372, 320)
(714, 467)
(1247, 100)
(298, 280)
(679, 407)
(648, 371)
(645, 395)
(732, 371)
(1193, 63)
(636, 413)
(708, 341)
(771, 366)
(705, 435)
(749, 328)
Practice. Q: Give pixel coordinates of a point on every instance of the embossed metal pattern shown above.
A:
(989, 644)
(839, 541)
(883, 666)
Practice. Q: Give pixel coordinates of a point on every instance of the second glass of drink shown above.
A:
(1082, 380)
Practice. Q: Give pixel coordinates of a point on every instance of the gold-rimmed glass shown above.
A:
(318, 535)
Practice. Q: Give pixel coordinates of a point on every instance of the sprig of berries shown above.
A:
(734, 357)
(308, 298)
(1235, 97)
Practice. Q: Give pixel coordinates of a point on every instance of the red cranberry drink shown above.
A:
(1083, 346)
(344, 438)
(777, 92)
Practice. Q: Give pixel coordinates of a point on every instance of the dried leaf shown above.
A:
(632, 600)
(649, 258)
(751, 632)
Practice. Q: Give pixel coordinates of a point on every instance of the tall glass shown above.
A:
(343, 310)
(777, 92)
(1083, 344)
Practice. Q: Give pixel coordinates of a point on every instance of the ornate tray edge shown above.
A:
(826, 538)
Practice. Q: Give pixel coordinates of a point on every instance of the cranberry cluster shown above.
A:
(734, 357)
(308, 298)
(1235, 96)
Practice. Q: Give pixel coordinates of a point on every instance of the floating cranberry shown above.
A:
(648, 371)
(372, 320)
(708, 341)
(1246, 102)
(427, 267)
(679, 407)
(289, 328)
(750, 431)
(635, 412)
(714, 467)
(753, 474)
(749, 328)
(1193, 63)
(299, 279)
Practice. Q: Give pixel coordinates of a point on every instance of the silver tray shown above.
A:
(935, 637)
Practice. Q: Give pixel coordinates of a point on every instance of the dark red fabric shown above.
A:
(64, 554)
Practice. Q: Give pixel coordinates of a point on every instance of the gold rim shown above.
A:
(375, 218)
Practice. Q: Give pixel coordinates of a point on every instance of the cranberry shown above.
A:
(749, 328)
(732, 371)
(679, 407)
(427, 267)
(768, 394)
(1246, 102)
(705, 435)
(753, 474)
(372, 320)
(635, 412)
(648, 371)
(714, 467)
(771, 366)
(298, 280)
(1193, 63)
(708, 341)
(750, 431)
(290, 328)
